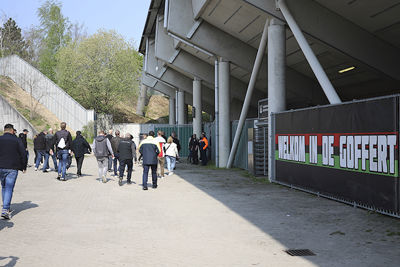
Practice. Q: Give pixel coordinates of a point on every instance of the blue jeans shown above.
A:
(40, 154)
(54, 157)
(7, 178)
(146, 174)
(62, 155)
(116, 159)
(171, 161)
(46, 161)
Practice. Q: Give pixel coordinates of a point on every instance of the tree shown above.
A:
(54, 28)
(11, 40)
(100, 71)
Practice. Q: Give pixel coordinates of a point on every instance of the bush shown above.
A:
(88, 131)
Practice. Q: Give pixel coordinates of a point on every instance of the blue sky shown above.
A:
(127, 17)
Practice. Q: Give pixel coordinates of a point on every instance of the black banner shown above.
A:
(349, 151)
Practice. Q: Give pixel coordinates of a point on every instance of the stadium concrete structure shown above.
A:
(223, 56)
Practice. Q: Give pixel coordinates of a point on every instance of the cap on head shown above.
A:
(25, 131)
(8, 127)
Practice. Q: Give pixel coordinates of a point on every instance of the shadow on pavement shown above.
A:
(18, 207)
(12, 261)
(5, 224)
(299, 220)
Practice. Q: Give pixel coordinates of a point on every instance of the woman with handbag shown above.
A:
(171, 153)
(80, 147)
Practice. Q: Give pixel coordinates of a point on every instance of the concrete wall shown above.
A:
(46, 92)
(8, 114)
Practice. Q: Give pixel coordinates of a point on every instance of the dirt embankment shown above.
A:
(37, 114)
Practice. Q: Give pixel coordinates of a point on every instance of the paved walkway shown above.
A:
(198, 217)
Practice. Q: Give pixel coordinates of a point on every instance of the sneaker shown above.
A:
(63, 179)
(6, 214)
(170, 173)
(154, 186)
(48, 169)
(59, 176)
(104, 179)
(35, 169)
(120, 181)
(145, 188)
(128, 181)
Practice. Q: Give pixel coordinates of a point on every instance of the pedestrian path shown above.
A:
(196, 217)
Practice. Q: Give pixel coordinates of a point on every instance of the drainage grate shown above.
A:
(300, 252)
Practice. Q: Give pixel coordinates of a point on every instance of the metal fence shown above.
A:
(241, 157)
(46, 92)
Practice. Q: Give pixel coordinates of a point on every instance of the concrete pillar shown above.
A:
(197, 119)
(171, 110)
(141, 100)
(181, 107)
(276, 79)
(224, 100)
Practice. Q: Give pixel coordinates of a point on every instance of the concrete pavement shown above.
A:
(197, 217)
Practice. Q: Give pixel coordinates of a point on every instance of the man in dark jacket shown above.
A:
(114, 145)
(149, 148)
(110, 159)
(127, 152)
(40, 145)
(63, 141)
(50, 146)
(12, 159)
(80, 146)
(102, 150)
(23, 136)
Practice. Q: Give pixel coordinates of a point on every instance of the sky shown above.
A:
(127, 17)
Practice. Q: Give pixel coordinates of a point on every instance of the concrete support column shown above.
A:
(141, 100)
(171, 110)
(224, 100)
(276, 79)
(197, 119)
(181, 107)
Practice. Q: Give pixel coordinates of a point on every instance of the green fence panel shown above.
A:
(241, 157)
(183, 132)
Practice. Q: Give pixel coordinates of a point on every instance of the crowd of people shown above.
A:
(116, 154)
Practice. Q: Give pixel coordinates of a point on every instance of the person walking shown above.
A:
(127, 152)
(114, 145)
(194, 149)
(110, 159)
(63, 142)
(23, 137)
(176, 141)
(12, 159)
(80, 147)
(149, 148)
(50, 146)
(161, 156)
(172, 154)
(40, 143)
(203, 144)
(102, 150)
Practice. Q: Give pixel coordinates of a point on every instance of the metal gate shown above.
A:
(261, 147)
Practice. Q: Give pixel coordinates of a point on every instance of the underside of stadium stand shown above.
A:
(186, 42)
(286, 77)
